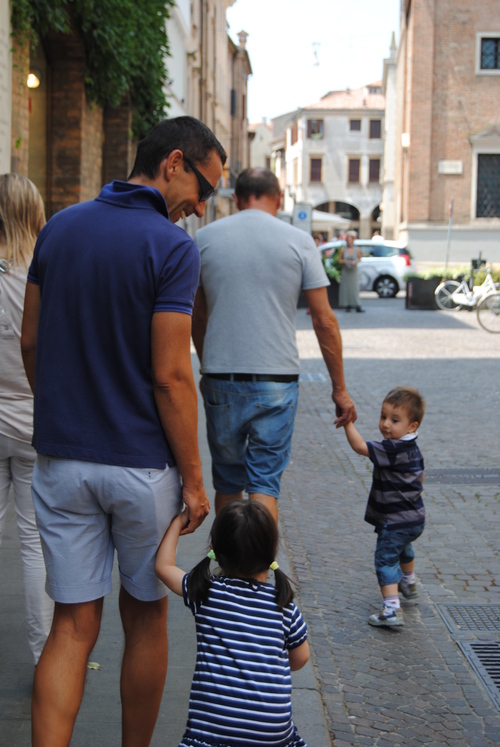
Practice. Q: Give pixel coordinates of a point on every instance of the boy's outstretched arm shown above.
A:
(355, 439)
(165, 567)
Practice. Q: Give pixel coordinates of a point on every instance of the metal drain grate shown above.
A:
(485, 660)
(464, 617)
(304, 377)
(463, 476)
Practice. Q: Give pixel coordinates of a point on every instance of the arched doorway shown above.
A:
(376, 220)
(344, 209)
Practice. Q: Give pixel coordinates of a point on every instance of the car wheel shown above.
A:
(385, 286)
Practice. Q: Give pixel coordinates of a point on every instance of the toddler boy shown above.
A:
(395, 507)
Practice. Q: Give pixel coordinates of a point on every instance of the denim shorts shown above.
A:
(249, 429)
(393, 548)
(85, 511)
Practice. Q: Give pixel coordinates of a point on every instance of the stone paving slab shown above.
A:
(412, 686)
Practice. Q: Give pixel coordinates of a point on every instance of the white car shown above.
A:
(383, 265)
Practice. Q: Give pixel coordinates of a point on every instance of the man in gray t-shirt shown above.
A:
(253, 268)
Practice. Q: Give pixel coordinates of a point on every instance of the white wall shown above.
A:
(5, 87)
(260, 146)
(335, 148)
(178, 34)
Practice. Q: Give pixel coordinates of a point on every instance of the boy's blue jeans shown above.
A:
(393, 548)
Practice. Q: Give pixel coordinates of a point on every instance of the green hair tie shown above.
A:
(211, 555)
(274, 566)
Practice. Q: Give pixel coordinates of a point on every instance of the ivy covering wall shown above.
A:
(125, 44)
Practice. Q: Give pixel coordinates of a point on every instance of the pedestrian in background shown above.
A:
(395, 507)
(253, 268)
(250, 633)
(349, 258)
(21, 220)
(106, 347)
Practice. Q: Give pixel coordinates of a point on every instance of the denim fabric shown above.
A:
(393, 548)
(249, 428)
(87, 510)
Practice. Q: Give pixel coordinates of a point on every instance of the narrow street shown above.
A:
(364, 686)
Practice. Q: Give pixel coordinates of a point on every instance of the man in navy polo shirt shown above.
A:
(106, 347)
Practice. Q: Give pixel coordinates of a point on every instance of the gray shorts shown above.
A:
(86, 510)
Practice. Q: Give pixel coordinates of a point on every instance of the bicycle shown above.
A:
(488, 312)
(452, 295)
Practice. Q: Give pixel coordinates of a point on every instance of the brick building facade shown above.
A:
(66, 145)
(70, 147)
(448, 128)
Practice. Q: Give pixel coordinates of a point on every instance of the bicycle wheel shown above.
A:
(443, 295)
(488, 312)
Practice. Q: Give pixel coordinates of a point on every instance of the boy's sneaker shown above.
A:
(409, 591)
(393, 620)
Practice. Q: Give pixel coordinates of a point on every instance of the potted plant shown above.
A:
(332, 269)
(421, 286)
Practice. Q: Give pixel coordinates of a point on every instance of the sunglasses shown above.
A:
(206, 189)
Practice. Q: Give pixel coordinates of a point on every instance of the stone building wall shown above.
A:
(448, 113)
(5, 87)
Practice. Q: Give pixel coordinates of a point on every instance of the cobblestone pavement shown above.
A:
(412, 686)
(374, 687)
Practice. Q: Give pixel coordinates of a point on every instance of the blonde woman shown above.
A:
(21, 219)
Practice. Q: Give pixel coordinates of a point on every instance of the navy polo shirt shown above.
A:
(104, 268)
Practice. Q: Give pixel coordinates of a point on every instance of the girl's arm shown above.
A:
(299, 656)
(165, 567)
(356, 441)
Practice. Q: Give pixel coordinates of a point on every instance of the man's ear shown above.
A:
(240, 203)
(172, 163)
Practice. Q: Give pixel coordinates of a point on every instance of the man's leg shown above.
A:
(222, 499)
(269, 501)
(60, 674)
(144, 667)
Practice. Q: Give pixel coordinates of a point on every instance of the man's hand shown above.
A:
(344, 408)
(197, 508)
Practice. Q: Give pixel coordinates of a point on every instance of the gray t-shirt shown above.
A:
(253, 267)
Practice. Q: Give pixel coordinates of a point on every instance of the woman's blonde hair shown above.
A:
(22, 217)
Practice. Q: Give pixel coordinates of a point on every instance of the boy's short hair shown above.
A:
(410, 400)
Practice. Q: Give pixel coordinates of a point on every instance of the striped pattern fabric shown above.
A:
(396, 493)
(241, 689)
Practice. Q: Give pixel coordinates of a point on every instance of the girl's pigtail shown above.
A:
(284, 591)
(198, 583)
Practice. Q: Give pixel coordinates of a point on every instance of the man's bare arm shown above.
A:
(29, 331)
(177, 402)
(200, 321)
(327, 331)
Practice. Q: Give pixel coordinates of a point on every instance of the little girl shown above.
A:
(250, 633)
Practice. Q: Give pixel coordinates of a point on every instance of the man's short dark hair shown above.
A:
(187, 134)
(256, 182)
